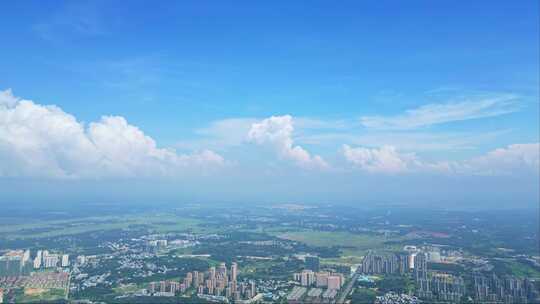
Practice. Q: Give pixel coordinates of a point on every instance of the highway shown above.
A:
(347, 289)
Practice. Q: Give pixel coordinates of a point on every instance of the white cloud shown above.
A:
(76, 18)
(37, 140)
(231, 132)
(310, 123)
(513, 160)
(44, 141)
(277, 132)
(432, 114)
(383, 160)
(405, 141)
(7, 99)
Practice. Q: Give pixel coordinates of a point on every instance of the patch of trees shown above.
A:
(445, 267)
(398, 284)
(363, 295)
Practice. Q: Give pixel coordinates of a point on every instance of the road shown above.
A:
(347, 289)
(68, 286)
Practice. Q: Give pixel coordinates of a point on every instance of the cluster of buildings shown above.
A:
(445, 287)
(216, 282)
(430, 285)
(155, 243)
(19, 262)
(321, 279)
(441, 287)
(436, 286)
(154, 246)
(394, 298)
(164, 288)
(35, 282)
(387, 263)
(296, 294)
(316, 287)
(44, 259)
(42, 280)
(400, 262)
(18, 269)
(508, 289)
(434, 254)
(300, 294)
(15, 263)
(312, 263)
(311, 276)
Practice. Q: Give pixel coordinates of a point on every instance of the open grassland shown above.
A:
(127, 288)
(329, 239)
(157, 223)
(516, 268)
(352, 245)
(30, 295)
(343, 260)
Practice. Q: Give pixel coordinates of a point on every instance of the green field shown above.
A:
(158, 223)
(127, 289)
(343, 260)
(515, 268)
(48, 295)
(356, 244)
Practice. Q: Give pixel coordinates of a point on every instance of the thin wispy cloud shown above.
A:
(220, 134)
(321, 124)
(73, 20)
(432, 114)
(417, 141)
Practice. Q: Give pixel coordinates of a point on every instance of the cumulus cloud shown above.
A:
(432, 114)
(277, 131)
(514, 159)
(44, 141)
(383, 160)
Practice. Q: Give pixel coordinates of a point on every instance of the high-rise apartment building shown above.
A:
(334, 282)
(312, 263)
(50, 260)
(321, 279)
(234, 272)
(420, 266)
(307, 277)
(65, 260)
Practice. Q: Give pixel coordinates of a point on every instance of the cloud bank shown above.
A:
(513, 160)
(277, 131)
(44, 141)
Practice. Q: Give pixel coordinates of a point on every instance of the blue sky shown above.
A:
(282, 97)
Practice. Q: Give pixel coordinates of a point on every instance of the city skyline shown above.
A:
(269, 254)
